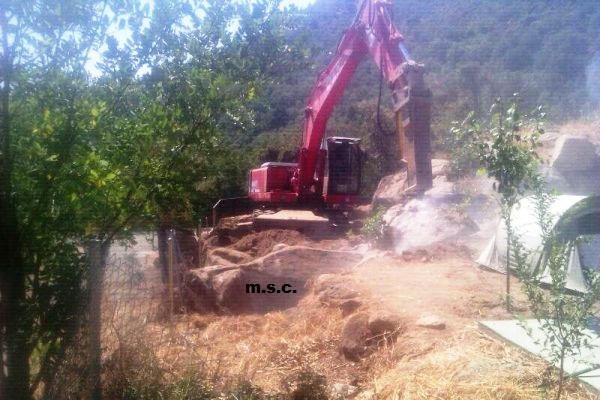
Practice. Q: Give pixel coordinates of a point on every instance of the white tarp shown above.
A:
(525, 222)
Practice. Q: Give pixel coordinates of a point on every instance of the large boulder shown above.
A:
(199, 288)
(390, 190)
(355, 334)
(574, 153)
(303, 263)
(363, 333)
(384, 325)
(246, 287)
(425, 221)
(227, 256)
(574, 167)
(334, 289)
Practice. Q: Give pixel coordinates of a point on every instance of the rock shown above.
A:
(199, 292)
(349, 306)
(425, 221)
(217, 260)
(390, 190)
(383, 322)
(574, 153)
(225, 255)
(573, 168)
(230, 290)
(302, 263)
(439, 167)
(363, 333)
(334, 289)
(223, 287)
(354, 337)
(384, 328)
(431, 322)
(279, 246)
(343, 391)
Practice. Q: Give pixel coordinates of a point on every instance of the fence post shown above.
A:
(96, 279)
(170, 245)
(200, 245)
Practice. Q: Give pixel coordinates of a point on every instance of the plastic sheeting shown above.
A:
(572, 216)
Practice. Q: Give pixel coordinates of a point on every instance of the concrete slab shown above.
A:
(528, 335)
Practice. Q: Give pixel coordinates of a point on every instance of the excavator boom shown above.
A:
(374, 33)
(327, 173)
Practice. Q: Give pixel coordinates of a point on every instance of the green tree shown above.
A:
(39, 40)
(86, 158)
(563, 314)
(506, 145)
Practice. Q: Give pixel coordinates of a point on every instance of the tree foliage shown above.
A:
(563, 315)
(150, 142)
(506, 146)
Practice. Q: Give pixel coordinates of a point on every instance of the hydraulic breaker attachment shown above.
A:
(412, 104)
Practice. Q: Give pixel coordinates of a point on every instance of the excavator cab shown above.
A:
(343, 171)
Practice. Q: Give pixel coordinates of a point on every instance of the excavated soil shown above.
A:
(258, 244)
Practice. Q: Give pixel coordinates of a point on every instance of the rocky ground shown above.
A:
(397, 323)
(376, 324)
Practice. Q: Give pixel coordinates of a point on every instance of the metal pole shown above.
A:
(199, 238)
(508, 309)
(170, 272)
(96, 279)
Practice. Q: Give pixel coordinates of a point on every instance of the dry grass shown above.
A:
(263, 349)
(268, 350)
(472, 366)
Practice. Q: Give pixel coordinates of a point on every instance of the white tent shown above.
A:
(573, 217)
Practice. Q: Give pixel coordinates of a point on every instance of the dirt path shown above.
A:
(454, 289)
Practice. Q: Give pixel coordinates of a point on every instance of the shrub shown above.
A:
(309, 386)
(374, 227)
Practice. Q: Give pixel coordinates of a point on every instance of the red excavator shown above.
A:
(327, 174)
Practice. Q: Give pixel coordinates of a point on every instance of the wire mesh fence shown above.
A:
(142, 329)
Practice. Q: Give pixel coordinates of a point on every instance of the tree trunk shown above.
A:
(507, 221)
(561, 372)
(2, 375)
(12, 291)
(12, 270)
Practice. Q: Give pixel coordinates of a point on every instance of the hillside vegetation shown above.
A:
(475, 52)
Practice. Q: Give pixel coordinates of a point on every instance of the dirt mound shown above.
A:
(276, 281)
(258, 244)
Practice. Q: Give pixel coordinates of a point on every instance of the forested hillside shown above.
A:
(474, 51)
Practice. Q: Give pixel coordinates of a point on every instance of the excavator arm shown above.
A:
(372, 32)
(330, 178)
